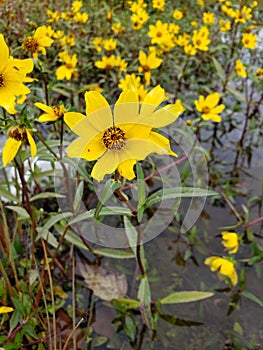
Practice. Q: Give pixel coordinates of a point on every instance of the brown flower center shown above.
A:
(59, 111)
(205, 109)
(31, 44)
(17, 133)
(114, 138)
(1, 80)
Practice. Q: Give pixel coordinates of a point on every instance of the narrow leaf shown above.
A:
(110, 186)
(253, 298)
(20, 211)
(185, 297)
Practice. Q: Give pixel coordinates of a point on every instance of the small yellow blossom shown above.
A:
(243, 15)
(17, 135)
(38, 42)
(159, 32)
(52, 113)
(208, 107)
(68, 40)
(190, 50)
(109, 44)
(69, 68)
(54, 16)
(76, 6)
(117, 28)
(249, 40)
(259, 71)
(183, 39)
(224, 266)
(133, 82)
(177, 15)
(230, 241)
(58, 34)
(147, 63)
(208, 18)
(97, 42)
(225, 26)
(194, 24)
(158, 4)
(201, 39)
(5, 309)
(106, 62)
(240, 69)
(81, 17)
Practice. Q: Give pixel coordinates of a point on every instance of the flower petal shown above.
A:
(152, 100)
(73, 118)
(126, 169)
(44, 107)
(33, 146)
(126, 108)
(98, 110)
(212, 99)
(10, 150)
(4, 52)
(90, 151)
(162, 142)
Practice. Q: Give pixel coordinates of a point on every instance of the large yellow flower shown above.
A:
(208, 107)
(38, 42)
(120, 138)
(16, 137)
(12, 75)
(224, 266)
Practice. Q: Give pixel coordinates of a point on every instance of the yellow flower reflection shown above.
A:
(16, 137)
(118, 139)
(224, 266)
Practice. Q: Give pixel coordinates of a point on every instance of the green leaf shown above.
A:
(110, 186)
(14, 320)
(177, 192)
(114, 253)
(253, 298)
(44, 195)
(43, 231)
(219, 68)
(141, 185)
(19, 306)
(185, 297)
(78, 195)
(144, 295)
(8, 195)
(129, 327)
(178, 321)
(20, 211)
(125, 304)
(131, 233)
(238, 95)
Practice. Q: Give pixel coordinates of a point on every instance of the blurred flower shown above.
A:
(97, 42)
(68, 40)
(106, 62)
(139, 18)
(5, 309)
(159, 32)
(183, 39)
(54, 16)
(117, 28)
(177, 15)
(224, 266)
(12, 76)
(190, 50)
(208, 18)
(240, 69)
(58, 34)
(132, 82)
(76, 6)
(69, 68)
(225, 26)
(249, 40)
(201, 39)
(158, 4)
(109, 44)
(16, 136)
(38, 42)
(194, 24)
(230, 241)
(121, 64)
(81, 17)
(243, 15)
(52, 113)
(259, 71)
(118, 139)
(147, 63)
(201, 3)
(109, 16)
(208, 107)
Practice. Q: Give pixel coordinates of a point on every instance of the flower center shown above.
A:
(1, 80)
(31, 44)
(59, 111)
(19, 134)
(114, 138)
(205, 109)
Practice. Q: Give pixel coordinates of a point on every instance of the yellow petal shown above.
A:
(44, 107)
(73, 118)
(152, 100)
(126, 108)
(213, 99)
(90, 151)
(33, 146)
(5, 309)
(107, 164)
(126, 169)
(10, 150)
(95, 102)
(162, 142)
(47, 118)
(4, 52)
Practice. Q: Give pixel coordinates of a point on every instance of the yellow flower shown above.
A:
(177, 15)
(5, 309)
(208, 18)
(189, 50)
(240, 69)
(230, 241)
(224, 266)
(38, 42)
(117, 28)
(158, 4)
(16, 136)
(147, 63)
(109, 44)
(183, 39)
(81, 17)
(208, 107)
(243, 14)
(68, 40)
(76, 6)
(118, 139)
(159, 32)
(139, 18)
(12, 76)
(98, 43)
(249, 40)
(259, 71)
(201, 39)
(54, 16)
(131, 82)
(106, 62)
(225, 26)
(69, 68)
(52, 113)
(121, 64)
